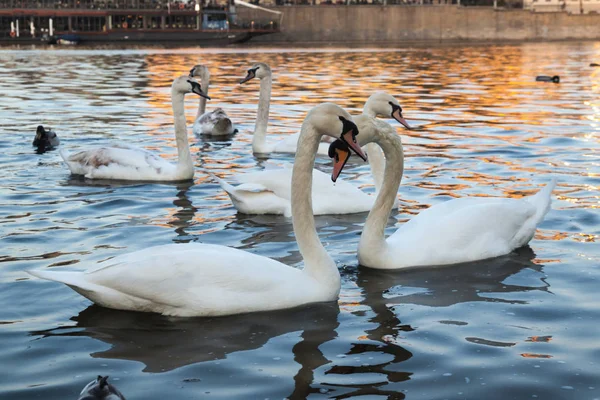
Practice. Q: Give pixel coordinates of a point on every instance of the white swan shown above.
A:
(459, 230)
(269, 191)
(216, 122)
(260, 145)
(197, 279)
(131, 163)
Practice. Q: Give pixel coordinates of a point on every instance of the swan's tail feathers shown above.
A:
(542, 200)
(64, 154)
(75, 280)
(236, 192)
(66, 277)
(230, 189)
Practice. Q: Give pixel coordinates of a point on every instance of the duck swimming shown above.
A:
(100, 389)
(546, 78)
(45, 139)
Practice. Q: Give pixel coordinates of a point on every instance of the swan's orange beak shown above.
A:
(397, 115)
(350, 139)
(340, 157)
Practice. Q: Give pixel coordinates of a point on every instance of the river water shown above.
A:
(518, 327)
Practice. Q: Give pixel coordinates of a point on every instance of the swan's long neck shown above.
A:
(259, 140)
(204, 84)
(185, 166)
(376, 159)
(372, 241)
(376, 163)
(317, 263)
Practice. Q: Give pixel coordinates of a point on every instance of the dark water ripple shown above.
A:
(521, 326)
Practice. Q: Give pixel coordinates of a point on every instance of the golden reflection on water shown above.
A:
(482, 125)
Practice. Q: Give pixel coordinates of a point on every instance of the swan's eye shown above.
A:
(342, 118)
(395, 107)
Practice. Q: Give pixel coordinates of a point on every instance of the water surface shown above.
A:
(516, 327)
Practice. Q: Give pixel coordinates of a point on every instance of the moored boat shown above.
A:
(74, 21)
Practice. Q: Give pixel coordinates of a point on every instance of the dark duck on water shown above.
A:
(45, 139)
(545, 78)
(100, 389)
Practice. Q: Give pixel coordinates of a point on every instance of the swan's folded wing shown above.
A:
(256, 198)
(289, 144)
(278, 181)
(464, 230)
(119, 155)
(252, 188)
(174, 274)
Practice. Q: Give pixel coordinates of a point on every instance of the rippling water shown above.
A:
(517, 327)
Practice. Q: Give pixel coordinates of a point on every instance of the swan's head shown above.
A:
(384, 105)
(371, 131)
(258, 70)
(45, 138)
(185, 84)
(332, 120)
(339, 152)
(200, 71)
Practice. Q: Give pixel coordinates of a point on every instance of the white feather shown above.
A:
(131, 163)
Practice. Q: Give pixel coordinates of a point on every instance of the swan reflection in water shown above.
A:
(165, 344)
(448, 285)
(442, 287)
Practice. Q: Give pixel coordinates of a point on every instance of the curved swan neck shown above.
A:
(372, 240)
(259, 140)
(184, 162)
(204, 84)
(317, 263)
(376, 164)
(368, 112)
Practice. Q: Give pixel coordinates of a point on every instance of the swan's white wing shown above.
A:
(289, 144)
(119, 162)
(340, 197)
(328, 197)
(256, 198)
(191, 279)
(462, 230)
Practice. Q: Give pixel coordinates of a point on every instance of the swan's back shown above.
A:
(118, 162)
(327, 197)
(193, 279)
(468, 229)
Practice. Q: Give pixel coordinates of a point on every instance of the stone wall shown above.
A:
(397, 24)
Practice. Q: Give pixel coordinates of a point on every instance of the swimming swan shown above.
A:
(269, 191)
(259, 138)
(456, 231)
(197, 279)
(131, 163)
(216, 122)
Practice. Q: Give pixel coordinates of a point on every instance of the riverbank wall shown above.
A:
(428, 23)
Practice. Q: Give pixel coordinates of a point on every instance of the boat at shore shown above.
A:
(87, 21)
